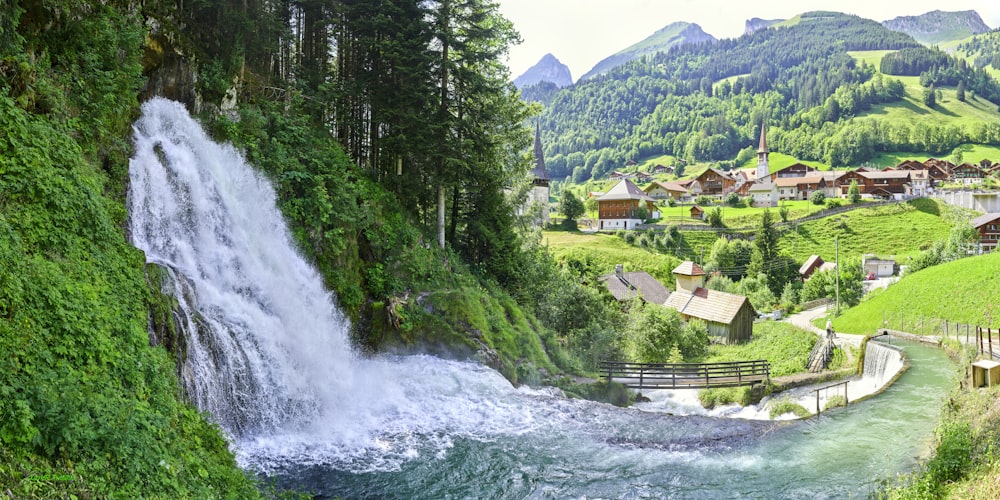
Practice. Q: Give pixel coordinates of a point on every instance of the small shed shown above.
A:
(985, 373)
(697, 213)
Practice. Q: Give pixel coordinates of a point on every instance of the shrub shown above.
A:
(704, 200)
(784, 406)
(832, 203)
(835, 401)
(710, 398)
(954, 452)
(733, 199)
(817, 198)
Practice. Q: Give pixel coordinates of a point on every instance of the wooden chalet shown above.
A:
(729, 317)
(799, 188)
(662, 169)
(968, 174)
(909, 165)
(940, 167)
(796, 170)
(812, 264)
(713, 182)
(877, 184)
(697, 213)
(659, 190)
(988, 227)
(619, 207)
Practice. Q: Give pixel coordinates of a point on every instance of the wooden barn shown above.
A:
(729, 316)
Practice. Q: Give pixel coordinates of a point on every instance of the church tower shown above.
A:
(540, 179)
(763, 169)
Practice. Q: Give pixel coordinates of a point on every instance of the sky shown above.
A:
(582, 32)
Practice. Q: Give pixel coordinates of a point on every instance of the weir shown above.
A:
(882, 363)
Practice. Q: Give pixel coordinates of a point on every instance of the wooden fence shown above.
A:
(686, 375)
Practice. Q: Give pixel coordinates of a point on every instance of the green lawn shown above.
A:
(600, 252)
(965, 290)
(777, 161)
(898, 230)
(784, 345)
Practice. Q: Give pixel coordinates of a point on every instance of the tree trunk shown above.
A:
(440, 224)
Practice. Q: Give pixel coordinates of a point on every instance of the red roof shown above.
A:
(688, 268)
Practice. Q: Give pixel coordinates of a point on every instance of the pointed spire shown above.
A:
(763, 139)
(539, 172)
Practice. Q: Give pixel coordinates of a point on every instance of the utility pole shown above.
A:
(836, 241)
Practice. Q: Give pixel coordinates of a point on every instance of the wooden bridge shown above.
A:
(686, 375)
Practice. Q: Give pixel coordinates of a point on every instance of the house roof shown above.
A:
(759, 187)
(886, 174)
(667, 186)
(795, 181)
(688, 268)
(984, 219)
(709, 305)
(640, 283)
(625, 190)
(812, 261)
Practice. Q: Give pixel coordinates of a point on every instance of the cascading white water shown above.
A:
(268, 353)
(882, 363)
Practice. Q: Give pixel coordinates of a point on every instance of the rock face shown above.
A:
(669, 36)
(548, 69)
(757, 24)
(938, 26)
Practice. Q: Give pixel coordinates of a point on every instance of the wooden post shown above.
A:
(642, 370)
(845, 394)
(673, 376)
(817, 401)
(989, 334)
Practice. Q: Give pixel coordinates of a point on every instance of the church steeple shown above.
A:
(763, 169)
(539, 176)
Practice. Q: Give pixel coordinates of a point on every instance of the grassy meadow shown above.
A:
(599, 253)
(965, 291)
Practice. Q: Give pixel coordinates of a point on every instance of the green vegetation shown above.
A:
(593, 255)
(89, 408)
(781, 407)
(963, 290)
(899, 229)
(782, 344)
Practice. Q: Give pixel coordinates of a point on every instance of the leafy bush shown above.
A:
(779, 408)
(704, 200)
(733, 199)
(953, 457)
(711, 398)
(818, 197)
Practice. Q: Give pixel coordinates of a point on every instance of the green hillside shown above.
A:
(964, 290)
(662, 40)
(900, 230)
(597, 254)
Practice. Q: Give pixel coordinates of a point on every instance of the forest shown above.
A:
(705, 102)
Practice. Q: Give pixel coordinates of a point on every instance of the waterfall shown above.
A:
(264, 334)
(882, 363)
(267, 350)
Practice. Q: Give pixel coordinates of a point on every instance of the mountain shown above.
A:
(672, 35)
(705, 102)
(939, 26)
(757, 24)
(548, 69)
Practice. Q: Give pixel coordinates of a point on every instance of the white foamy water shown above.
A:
(268, 353)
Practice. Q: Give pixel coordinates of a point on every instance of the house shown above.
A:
(662, 169)
(940, 169)
(799, 188)
(813, 264)
(765, 194)
(626, 286)
(909, 165)
(713, 182)
(659, 190)
(796, 170)
(968, 174)
(619, 207)
(729, 317)
(882, 268)
(616, 175)
(697, 213)
(643, 177)
(920, 182)
(878, 184)
(988, 227)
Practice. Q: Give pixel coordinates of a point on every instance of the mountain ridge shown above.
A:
(939, 26)
(547, 69)
(671, 35)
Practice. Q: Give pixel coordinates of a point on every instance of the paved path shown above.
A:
(804, 320)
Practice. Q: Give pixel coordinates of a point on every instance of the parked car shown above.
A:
(871, 276)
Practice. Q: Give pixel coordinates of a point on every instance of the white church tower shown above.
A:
(763, 169)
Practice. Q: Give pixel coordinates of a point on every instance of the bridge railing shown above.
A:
(686, 375)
